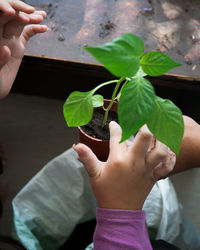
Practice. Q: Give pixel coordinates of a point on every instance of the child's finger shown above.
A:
(24, 18)
(6, 8)
(15, 27)
(34, 18)
(116, 148)
(158, 154)
(141, 143)
(89, 159)
(33, 29)
(40, 12)
(21, 6)
(164, 168)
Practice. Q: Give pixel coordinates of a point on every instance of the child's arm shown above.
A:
(121, 229)
(121, 186)
(14, 35)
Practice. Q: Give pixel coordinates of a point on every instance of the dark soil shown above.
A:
(94, 127)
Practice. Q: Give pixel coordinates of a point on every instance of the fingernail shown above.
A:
(113, 123)
(77, 149)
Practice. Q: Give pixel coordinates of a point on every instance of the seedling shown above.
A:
(124, 57)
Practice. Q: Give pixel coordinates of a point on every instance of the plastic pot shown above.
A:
(98, 146)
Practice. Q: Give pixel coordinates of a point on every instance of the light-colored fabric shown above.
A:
(57, 199)
(163, 213)
(188, 191)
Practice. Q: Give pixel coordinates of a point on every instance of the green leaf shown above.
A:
(97, 101)
(166, 123)
(135, 105)
(140, 73)
(156, 63)
(121, 56)
(78, 108)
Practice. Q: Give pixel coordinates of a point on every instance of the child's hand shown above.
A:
(125, 180)
(10, 7)
(18, 23)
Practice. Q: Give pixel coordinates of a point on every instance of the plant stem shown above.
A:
(118, 95)
(112, 100)
(103, 84)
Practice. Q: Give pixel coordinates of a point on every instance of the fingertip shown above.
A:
(43, 13)
(10, 11)
(79, 148)
(144, 133)
(114, 125)
(37, 28)
(74, 146)
(145, 129)
(115, 129)
(44, 28)
(87, 158)
(142, 142)
(84, 152)
(29, 9)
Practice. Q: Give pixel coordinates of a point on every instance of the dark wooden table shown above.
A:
(168, 25)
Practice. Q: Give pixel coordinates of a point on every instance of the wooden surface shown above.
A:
(169, 25)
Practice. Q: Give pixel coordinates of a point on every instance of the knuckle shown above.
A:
(168, 167)
(145, 134)
(162, 155)
(117, 161)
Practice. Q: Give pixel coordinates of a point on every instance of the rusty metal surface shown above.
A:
(169, 25)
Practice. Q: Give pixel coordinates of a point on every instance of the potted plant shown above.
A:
(138, 104)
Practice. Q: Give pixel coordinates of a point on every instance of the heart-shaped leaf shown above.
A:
(135, 105)
(97, 101)
(156, 63)
(78, 108)
(121, 56)
(166, 123)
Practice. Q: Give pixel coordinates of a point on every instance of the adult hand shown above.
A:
(126, 178)
(18, 23)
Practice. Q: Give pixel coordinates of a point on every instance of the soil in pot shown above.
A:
(94, 127)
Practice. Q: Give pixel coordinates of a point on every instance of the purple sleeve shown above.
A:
(121, 230)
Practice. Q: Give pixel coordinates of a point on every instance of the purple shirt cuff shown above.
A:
(121, 229)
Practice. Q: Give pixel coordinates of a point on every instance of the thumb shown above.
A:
(89, 160)
(33, 29)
